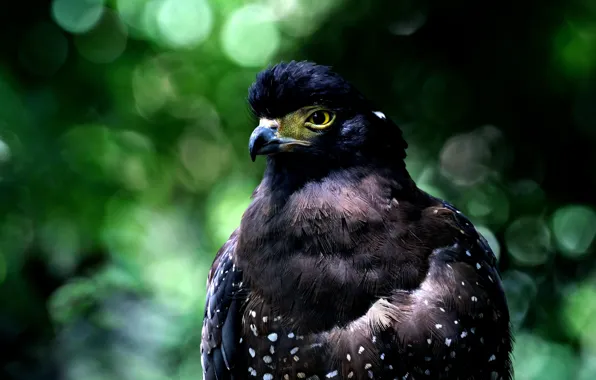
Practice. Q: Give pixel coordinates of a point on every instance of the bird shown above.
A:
(342, 267)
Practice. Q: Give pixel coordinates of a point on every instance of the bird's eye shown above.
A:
(320, 119)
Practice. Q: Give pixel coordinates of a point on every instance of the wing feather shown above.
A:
(222, 321)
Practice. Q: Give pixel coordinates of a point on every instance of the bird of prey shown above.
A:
(342, 268)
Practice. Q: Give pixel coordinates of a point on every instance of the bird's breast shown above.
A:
(327, 266)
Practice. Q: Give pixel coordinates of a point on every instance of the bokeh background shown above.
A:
(124, 163)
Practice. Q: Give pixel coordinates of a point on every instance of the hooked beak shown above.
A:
(265, 140)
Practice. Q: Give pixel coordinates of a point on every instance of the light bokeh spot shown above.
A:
(184, 23)
(106, 41)
(579, 308)
(470, 158)
(528, 240)
(487, 203)
(5, 153)
(151, 86)
(301, 18)
(250, 37)
(463, 159)
(77, 16)
(195, 152)
(574, 228)
(537, 358)
(131, 12)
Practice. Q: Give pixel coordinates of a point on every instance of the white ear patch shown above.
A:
(380, 115)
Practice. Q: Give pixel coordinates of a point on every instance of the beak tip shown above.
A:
(259, 137)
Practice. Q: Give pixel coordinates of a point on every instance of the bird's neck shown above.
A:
(286, 176)
(327, 241)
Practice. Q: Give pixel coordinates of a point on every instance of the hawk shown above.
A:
(342, 268)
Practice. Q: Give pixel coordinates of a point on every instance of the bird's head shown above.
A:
(308, 113)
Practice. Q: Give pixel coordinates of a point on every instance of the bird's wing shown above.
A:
(454, 326)
(221, 336)
(461, 307)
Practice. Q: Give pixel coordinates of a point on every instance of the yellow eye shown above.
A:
(320, 119)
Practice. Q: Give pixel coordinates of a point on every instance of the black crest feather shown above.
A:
(285, 87)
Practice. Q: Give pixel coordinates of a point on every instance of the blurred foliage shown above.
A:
(123, 161)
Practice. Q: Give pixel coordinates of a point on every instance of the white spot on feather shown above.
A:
(272, 337)
(380, 115)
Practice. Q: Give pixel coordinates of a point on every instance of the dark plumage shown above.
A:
(341, 266)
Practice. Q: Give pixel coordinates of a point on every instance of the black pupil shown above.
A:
(318, 117)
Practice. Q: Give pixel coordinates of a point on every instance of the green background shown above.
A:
(124, 163)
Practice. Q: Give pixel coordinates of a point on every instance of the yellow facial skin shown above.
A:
(302, 125)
